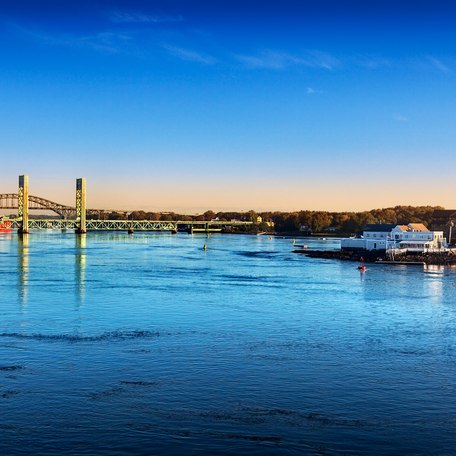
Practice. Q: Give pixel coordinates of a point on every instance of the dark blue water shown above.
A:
(146, 344)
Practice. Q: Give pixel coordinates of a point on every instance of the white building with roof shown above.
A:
(414, 237)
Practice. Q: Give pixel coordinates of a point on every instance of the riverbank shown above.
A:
(432, 258)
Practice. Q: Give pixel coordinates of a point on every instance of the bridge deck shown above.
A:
(125, 225)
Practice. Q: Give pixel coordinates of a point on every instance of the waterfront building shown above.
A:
(414, 237)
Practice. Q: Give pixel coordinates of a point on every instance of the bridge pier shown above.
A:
(81, 206)
(23, 204)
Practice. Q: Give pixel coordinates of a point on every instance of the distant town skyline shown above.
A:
(195, 105)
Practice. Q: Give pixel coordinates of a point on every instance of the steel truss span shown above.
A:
(125, 225)
(11, 201)
(120, 225)
(98, 225)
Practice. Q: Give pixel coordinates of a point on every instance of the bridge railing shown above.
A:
(121, 225)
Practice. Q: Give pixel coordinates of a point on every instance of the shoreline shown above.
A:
(431, 258)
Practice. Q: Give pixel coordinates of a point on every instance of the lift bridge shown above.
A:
(75, 218)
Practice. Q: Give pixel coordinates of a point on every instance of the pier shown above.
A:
(75, 218)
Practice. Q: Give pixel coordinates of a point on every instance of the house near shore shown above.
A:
(414, 237)
(305, 230)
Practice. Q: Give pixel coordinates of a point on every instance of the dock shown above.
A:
(407, 263)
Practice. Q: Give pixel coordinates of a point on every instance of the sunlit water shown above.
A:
(146, 344)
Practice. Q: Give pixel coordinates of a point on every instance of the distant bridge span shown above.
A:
(75, 217)
(10, 201)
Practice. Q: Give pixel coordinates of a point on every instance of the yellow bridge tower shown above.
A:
(23, 204)
(81, 206)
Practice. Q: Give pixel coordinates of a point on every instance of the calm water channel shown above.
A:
(146, 344)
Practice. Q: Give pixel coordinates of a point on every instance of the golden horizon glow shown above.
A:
(225, 196)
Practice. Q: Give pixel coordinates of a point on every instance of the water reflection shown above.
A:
(23, 267)
(168, 340)
(4, 245)
(435, 268)
(80, 266)
(434, 280)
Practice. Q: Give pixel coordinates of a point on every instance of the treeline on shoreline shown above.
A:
(350, 222)
(300, 221)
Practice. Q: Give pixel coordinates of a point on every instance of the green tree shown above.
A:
(209, 215)
(320, 221)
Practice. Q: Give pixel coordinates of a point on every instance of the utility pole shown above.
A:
(449, 234)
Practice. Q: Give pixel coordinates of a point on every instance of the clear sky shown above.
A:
(224, 104)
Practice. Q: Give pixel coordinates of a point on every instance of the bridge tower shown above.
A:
(23, 204)
(81, 205)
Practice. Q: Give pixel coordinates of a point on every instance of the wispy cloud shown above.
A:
(106, 42)
(269, 60)
(371, 62)
(190, 55)
(275, 60)
(312, 91)
(320, 59)
(143, 41)
(400, 118)
(132, 17)
(430, 63)
(438, 65)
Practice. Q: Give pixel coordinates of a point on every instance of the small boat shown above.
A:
(5, 225)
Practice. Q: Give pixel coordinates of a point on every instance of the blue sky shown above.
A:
(194, 105)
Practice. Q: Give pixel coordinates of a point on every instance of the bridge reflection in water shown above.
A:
(23, 268)
(80, 267)
(24, 271)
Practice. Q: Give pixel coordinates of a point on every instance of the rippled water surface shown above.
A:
(146, 344)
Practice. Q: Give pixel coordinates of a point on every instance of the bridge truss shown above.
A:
(74, 218)
(11, 201)
(124, 225)
(98, 225)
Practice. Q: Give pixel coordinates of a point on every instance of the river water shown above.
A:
(146, 344)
